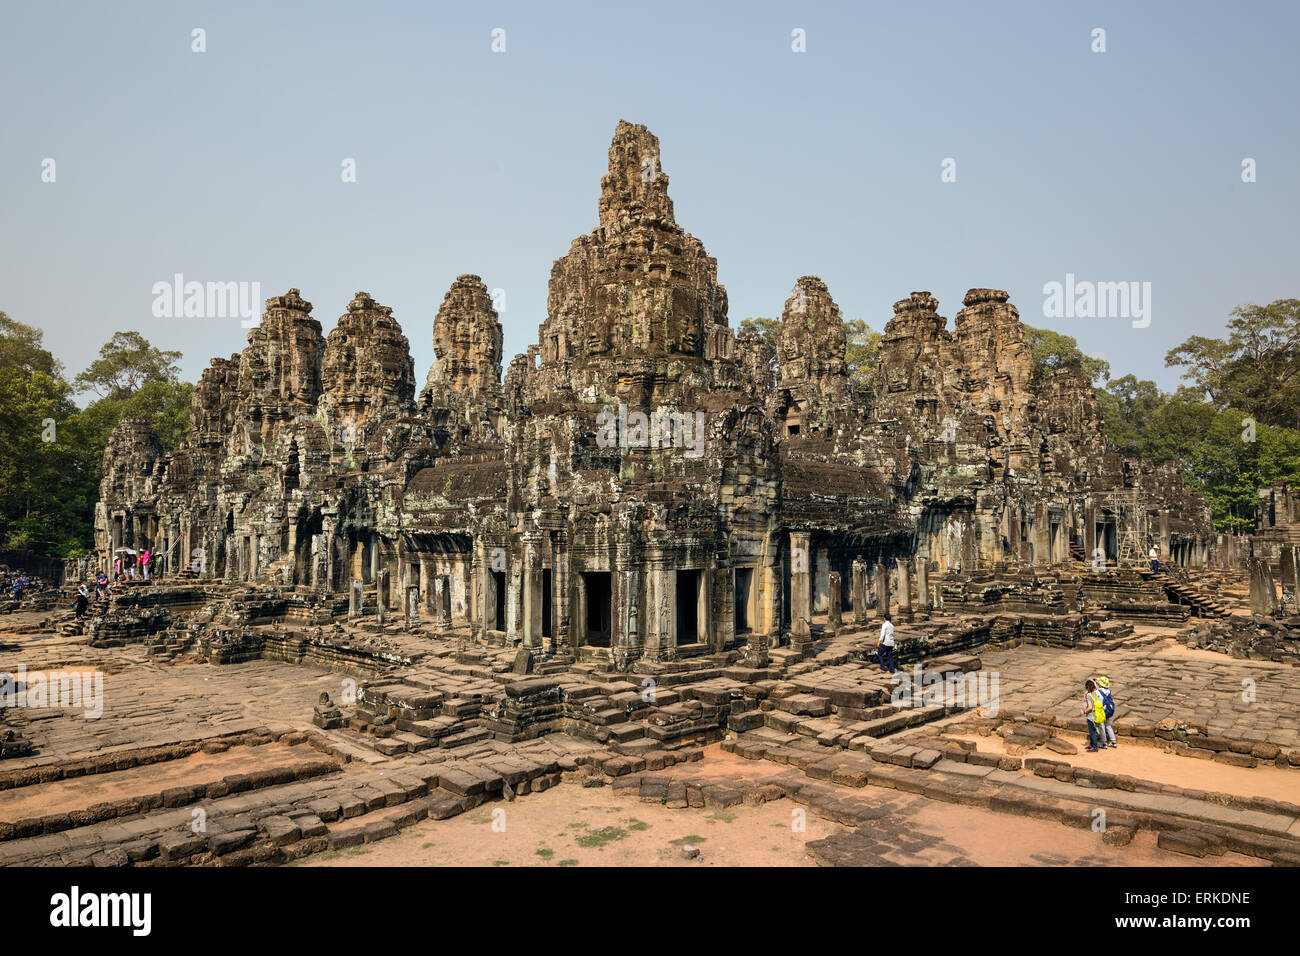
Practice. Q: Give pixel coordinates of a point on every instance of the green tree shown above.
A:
(126, 362)
(1256, 368)
(1053, 351)
(20, 347)
(47, 472)
(52, 452)
(770, 329)
(1129, 409)
(860, 356)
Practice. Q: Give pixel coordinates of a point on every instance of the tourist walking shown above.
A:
(1154, 555)
(885, 646)
(1095, 710)
(81, 602)
(1108, 707)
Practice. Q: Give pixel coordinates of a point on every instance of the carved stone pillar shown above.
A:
(800, 592)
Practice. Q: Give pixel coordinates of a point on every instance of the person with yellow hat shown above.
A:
(1108, 705)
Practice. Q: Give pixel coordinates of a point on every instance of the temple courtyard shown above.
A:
(397, 743)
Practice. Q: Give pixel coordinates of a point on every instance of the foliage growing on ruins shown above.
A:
(1053, 351)
(860, 355)
(51, 451)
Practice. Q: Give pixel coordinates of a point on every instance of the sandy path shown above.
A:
(1152, 763)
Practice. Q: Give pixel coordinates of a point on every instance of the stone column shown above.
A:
(923, 583)
(559, 596)
(481, 576)
(1042, 541)
(833, 603)
(859, 591)
(426, 588)
(800, 592)
(444, 601)
(661, 612)
(412, 605)
(356, 599)
(625, 611)
(532, 592)
(904, 589)
(882, 590)
(578, 617)
(704, 609)
(381, 597)
(1090, 531)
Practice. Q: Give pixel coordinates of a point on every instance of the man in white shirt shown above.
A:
(1154, 555)
(885, 646)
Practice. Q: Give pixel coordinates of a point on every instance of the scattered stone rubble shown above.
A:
(1253, 638)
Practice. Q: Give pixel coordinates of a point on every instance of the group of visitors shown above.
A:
(1099, 708)
(130, 570)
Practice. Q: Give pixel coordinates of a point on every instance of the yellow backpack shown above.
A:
(1098, 708)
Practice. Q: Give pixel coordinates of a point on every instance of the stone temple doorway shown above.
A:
(496, 603)
(689, 617)
(599, 607)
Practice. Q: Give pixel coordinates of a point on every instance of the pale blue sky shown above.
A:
(225, 165)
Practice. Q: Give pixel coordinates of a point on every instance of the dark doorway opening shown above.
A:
(497, 602)
(599, 595)
(548, 599)
(688, 607)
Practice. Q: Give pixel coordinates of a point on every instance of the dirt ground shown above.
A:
(572, 826)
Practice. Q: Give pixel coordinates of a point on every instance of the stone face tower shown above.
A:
(464, 384)
(279, 373)
(637, 288)
(814, 388)
(367, 369)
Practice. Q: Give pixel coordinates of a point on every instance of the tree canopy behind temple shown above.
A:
(51, 451)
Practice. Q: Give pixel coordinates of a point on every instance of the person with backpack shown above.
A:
(1108, 706)
(1095, 710)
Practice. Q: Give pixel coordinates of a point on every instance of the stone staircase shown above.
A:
(1201, 603)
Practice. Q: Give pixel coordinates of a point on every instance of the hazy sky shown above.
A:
(226, 165)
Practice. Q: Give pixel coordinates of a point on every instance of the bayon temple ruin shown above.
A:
(651, 555)
(644, 483)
